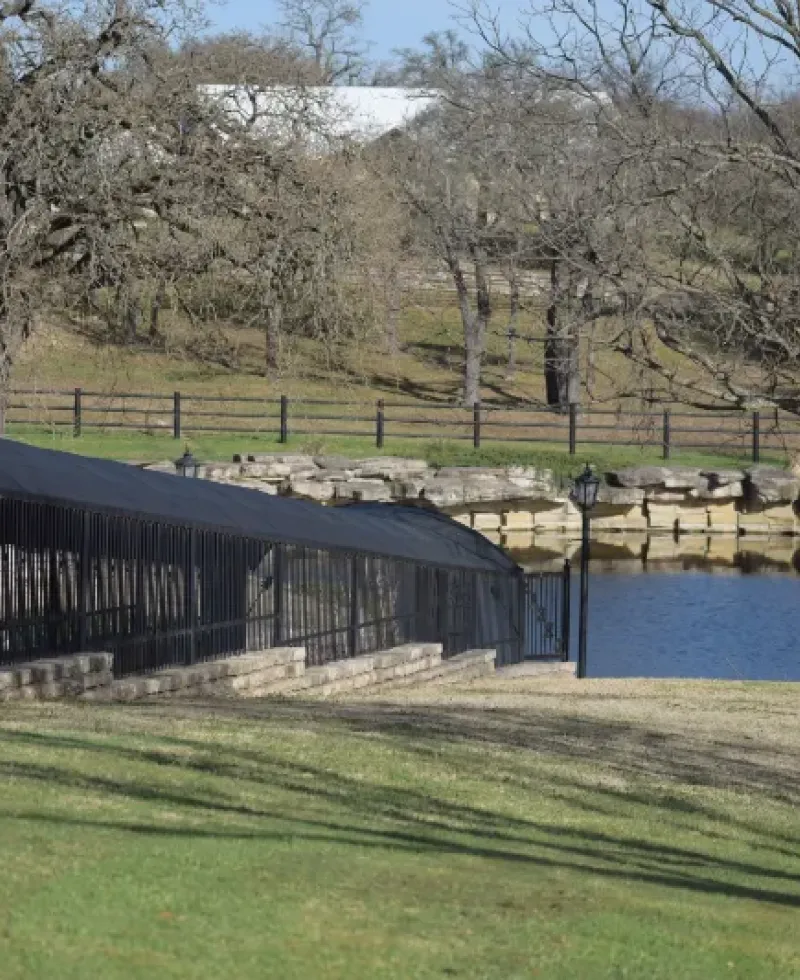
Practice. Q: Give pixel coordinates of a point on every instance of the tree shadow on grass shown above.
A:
(374, 814)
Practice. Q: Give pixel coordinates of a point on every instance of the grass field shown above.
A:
(537, 828)
(441, 452)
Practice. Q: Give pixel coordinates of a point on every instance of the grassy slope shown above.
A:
(517, 829)
(428, 368)
(428, 365)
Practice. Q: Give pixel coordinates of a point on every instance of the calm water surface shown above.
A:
(692, 624)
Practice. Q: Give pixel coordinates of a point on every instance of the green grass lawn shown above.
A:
(440, 452)
(510, 829)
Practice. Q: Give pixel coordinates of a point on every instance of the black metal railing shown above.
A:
(160, 595)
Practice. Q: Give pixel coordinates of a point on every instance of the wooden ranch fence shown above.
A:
(743, 434)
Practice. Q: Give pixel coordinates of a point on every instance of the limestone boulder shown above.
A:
(164, 466)
(620, 496)
(769, 485)
(470, 473)
(270, 489)
(219, 472)
(296, 461)
(666, 477)
(368, 491)
(272, 470)
(392, 468)
(726, 491)
(320, 491)
(338, 464)
(442, 493)
(722, 478)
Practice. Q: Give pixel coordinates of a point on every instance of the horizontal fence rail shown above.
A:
(182, 414)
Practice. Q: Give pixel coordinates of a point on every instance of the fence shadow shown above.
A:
(317, 803)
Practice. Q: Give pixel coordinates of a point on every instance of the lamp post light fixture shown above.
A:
(187, 465)
(584, 496)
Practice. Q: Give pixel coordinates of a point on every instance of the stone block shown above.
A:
(23, 675)
(723, 548)
(723, 517)
(517, 520)
(101, 661)
(662, 517)
(518, 540)
(692, 517)
(462, 517)
(769, 518)
(606, 517)
(659, 496)
(486, 521)
(8, 680)
(661, 547)
(49, 690)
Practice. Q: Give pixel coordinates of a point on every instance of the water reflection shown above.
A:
(665, 554)
(691, 606)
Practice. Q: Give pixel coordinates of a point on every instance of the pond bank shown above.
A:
(529, 503)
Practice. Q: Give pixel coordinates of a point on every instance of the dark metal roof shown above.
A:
(380, 529)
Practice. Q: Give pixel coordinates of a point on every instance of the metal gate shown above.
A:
(545, 626)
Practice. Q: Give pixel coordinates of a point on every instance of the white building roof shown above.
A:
(329, 113)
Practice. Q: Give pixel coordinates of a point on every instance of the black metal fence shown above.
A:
(159, 595)
(743, 434)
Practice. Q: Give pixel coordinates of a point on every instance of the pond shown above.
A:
(693, 624)
(694, 617)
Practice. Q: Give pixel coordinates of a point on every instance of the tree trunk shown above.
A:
(393, 310)
(272, 327)
(5, 384)
(155, 310)
(561, 367)
(513, 319)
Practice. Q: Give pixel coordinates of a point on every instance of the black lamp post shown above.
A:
(187, 465)
(584, 496)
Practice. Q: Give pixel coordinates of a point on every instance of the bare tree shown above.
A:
(329, 33)
(700, 141)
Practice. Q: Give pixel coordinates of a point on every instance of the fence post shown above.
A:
(191, 595)
(476, 425)
(284, 436)
(573, 428)
(277, 595)
(379, 425)
(76, 412)
(176, 415)
(523, 611)
(756, 437)
(352, 628)
(84, 584)
(442, 613)
(666, 435)
(565, 610)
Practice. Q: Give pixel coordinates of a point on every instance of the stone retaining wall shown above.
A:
(279, 671)
(523, 500)
(77, 676)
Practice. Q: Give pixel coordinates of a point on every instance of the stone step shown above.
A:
(359, 674)
(463, 666)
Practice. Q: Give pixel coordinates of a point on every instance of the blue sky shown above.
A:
(389, 23)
